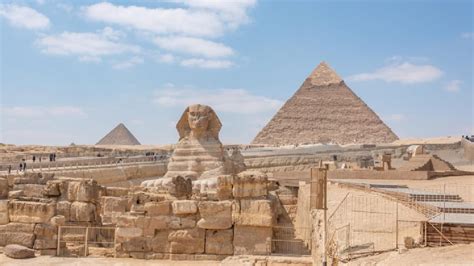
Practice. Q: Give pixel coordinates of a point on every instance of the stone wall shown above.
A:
(236, 218)
(178, 223)
(107, 176)
(36, 204)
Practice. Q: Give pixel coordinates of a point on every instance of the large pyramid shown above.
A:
(324, 110)
(120, 135)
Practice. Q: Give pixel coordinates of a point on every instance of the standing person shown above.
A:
(34, 158)
(54, 157)
(9, 168)
(50, 157)
(21, 167)
(24, 166)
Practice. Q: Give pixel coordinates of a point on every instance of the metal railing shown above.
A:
(78, 240)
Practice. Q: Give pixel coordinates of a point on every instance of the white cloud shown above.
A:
(158, 20)
(129, 63)
(467, 35)
(194, 46)
(24, 17)
(222, 100)
(233, 12)
(88, 46)
(206, 63)
(453, 85)
(166, 58)
(42, 111)
(403, 72)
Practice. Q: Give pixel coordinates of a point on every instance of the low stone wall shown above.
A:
(371, 174)
(105, 176)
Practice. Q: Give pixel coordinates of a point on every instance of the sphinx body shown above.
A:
(199, 154)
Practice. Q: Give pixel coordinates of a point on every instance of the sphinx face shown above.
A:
(198, 118)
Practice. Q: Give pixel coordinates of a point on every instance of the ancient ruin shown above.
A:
(324, 110)
(120, 135)
(199, 154)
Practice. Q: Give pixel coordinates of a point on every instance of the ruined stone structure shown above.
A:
(324, 110)
(199, 154)
(120, 135)
(234, 218)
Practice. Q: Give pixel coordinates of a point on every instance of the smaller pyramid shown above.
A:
(120, 135)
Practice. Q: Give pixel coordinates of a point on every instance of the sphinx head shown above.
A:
(198, 121)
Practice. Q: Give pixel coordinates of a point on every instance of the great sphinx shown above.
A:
(199, 154)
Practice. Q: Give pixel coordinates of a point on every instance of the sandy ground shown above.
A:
(451, 255)
(57, 261)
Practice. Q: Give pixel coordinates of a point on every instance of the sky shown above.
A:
(72, 70)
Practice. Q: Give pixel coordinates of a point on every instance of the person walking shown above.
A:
(24, 166)
(9, 168)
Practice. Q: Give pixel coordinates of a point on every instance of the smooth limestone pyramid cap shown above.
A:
(323, 75)
(324, 110)
(120, 135)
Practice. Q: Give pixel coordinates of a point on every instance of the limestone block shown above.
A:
(116, 191)
(20, 238)
(215, 214)
(158, 208)
(250, 185)
(184, 206)
(219, 242)
(123, 234)
(126, 221)
(189, 241)
(18, 252)
(254, 213)
(45, 244)
(30, 190)
(58, 220)
(51, 189)
(151, 224)
(4, 219)
(252, 240)
(82, 212)
(137, 244)
(159, 243)
(64, 208)
(30, 212)
(224, 187)
(45, 231)
(182, 222)
(85, 191)
(113, 204)
(15, 194)
(3, 188)
(18, 227)
(3, 205)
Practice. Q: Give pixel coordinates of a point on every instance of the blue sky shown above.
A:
(71, 71)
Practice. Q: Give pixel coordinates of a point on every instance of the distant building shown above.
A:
(120, 135)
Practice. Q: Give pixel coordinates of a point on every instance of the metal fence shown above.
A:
(82, 241)
(363, 224)
(290, 240)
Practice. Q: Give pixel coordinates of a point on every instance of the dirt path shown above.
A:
(451, 255)
(57, 261)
